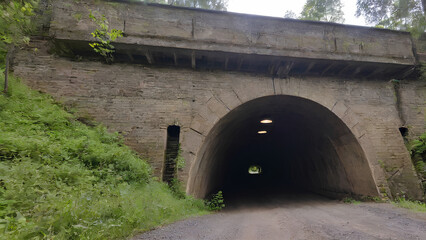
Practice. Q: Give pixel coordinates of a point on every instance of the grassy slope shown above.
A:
(60, 178)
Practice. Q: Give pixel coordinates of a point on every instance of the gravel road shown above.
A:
(296, 217)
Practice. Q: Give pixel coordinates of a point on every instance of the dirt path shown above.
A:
(307, 218)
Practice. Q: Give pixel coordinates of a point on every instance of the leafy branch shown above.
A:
(104, 37)
(16, 26)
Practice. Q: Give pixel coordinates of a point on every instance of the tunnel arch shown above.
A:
(306, 146)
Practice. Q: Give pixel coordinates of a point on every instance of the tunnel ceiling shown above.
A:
(306, 147)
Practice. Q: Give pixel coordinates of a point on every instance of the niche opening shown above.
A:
(171, 154)
(403, 131)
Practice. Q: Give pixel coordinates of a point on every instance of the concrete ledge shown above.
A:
(184, 28)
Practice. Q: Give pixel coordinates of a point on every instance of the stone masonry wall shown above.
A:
(413, 101)
(142, 101)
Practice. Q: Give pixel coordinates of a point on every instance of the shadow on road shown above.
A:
(267, 199)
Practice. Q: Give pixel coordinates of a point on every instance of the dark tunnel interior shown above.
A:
(305, 147)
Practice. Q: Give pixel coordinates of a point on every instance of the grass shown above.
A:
(415, 206)
(351, 201)
(61, 179)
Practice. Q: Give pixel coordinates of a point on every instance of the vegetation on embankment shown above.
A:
(415, 206)
(61, 179)
(417, 150)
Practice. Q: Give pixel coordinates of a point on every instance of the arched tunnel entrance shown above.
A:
(303, 146)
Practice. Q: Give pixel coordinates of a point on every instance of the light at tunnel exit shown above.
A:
(254, 169)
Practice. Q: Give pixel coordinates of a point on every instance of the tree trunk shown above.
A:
(6, 71)
(6, 74)
(424, 6)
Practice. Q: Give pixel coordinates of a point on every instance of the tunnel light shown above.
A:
(262, 132)
(266, 121)
(254, 169)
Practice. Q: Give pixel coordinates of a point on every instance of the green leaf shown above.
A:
(104, 37)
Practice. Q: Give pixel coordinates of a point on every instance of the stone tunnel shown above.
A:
(303, 146)
(197, 84)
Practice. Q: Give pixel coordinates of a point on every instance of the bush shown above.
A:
(351, 201)
(176, 188)
(216, 202)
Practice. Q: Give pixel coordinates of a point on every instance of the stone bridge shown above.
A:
(341, 99)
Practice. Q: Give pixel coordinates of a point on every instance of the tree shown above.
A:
(323, 10)
(408, 15)
(205, 4)
(290, 14)
(424, 6)
(15, 28)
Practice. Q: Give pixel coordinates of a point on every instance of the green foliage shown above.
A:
(104, 37)
(418, 156)
(15, 24)
(60, 179)
(254, 169)
(323, 10)
(180, 160)
(77, 16)
(405, 15)
(174, 184)
(416, 206)
(205, 4)
(216, 202)
(372, 199)
(423, 71)
(15, 19)
(290, 14)
(176, 187)
(351, 201)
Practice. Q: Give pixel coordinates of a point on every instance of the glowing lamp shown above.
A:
(266, 121)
